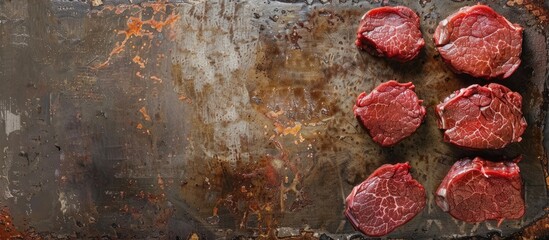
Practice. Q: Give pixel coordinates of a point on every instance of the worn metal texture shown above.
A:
(218, 119)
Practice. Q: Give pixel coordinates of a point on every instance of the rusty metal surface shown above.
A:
(216, 119)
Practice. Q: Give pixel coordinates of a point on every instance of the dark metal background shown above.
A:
(216, 119)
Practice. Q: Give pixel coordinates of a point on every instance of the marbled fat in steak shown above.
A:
(387, 199)
(391, 32)
(478, 190)
(478, 41)
(482, 117)
(390, 113)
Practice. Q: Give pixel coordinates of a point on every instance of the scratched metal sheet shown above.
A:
(217, 119)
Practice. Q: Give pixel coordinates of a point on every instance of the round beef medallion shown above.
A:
(387, 199)
(391, 32)
(390, 113)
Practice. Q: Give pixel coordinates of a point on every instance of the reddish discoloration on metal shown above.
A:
(7, 229)
(249, 188)
(537, 230)
(146, 116)
(536, 8)
(139, 27)
(139, 61)
(297, 69)
(156, 79)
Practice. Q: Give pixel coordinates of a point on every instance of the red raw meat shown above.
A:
(391, 112)
(478, 190)
(391, 32)
(482, 117)
(478, 41)
(387, 199)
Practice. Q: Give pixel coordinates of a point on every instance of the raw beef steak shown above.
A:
(478, 190)
(391, 112)
(387, 199)
(392, 32)
(482, 117)
(478, 41)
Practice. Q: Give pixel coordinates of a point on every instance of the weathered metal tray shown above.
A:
(218, 119)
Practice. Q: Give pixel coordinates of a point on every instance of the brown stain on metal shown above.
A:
(536, 8)
(249, 189)
(267, 187)
(139, 27)
(194, 236)
(536, 230)
(294, 75)
(146, 116)
(139, 61)
(184, 88)
(303, 99)
(7, 229)
(156, 79)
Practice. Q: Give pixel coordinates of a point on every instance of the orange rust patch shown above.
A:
(139, 61)
(135, 27)
(538, 229)
(536, 8)
(159, 6)
(194, 237)
(292, 130)
(158, 25)
(139, 75)
(146, 116)
(138, 27)
(273, 115)
(7, 229)
(156, 79)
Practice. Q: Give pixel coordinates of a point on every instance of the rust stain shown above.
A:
(292, 130)
(135, 27)
(267, 187)
(7, 229)
(281, 130)
(160, 182)
(194, 236)
(138, 74)
(536, 8)
(143, 112)
(97, 3)
(159, 6)
(183, 90)
(156, 79)
(248, 188)
(139, 27)
(537, 230)
(185, 99)
(158, 25)
(139, 61)
(294, 37)
(274, 115)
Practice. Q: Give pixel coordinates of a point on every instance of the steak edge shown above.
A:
(387, 199)
(478, 190)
